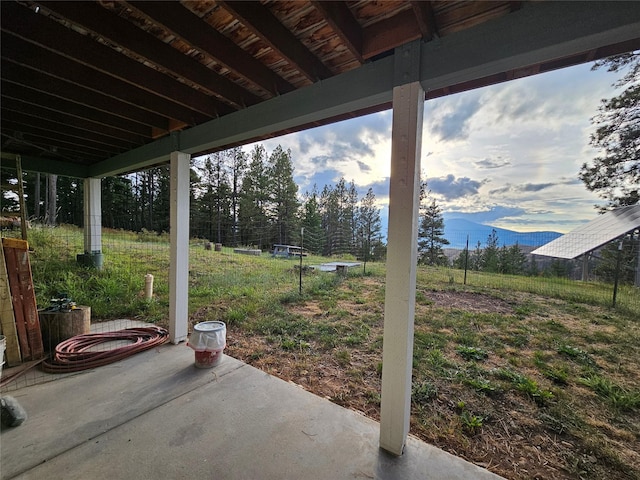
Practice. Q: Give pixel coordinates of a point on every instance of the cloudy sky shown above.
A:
(506, 155)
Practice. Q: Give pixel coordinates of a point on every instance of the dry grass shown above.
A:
(499, 377)
(529, 377)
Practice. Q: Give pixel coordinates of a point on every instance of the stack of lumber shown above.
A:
(18, 310)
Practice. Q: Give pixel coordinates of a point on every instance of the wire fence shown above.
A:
(223, 279)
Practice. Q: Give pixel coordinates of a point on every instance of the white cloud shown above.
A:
(513, 150)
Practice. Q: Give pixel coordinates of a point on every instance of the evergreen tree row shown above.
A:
(236, 199)
(494, 259)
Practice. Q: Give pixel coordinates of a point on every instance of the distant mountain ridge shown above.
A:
(457, 229)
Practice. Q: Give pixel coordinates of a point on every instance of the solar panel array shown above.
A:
(594, 234)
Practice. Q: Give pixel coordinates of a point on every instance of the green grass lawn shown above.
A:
(529, 377)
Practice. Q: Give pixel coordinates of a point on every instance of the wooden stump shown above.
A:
(59, 326)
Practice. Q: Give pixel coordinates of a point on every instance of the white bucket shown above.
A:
(208, 339)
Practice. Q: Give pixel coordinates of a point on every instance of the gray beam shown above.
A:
(44, 165)
(321, 100)
(539, 32)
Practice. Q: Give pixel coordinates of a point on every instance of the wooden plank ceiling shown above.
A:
(85, 81)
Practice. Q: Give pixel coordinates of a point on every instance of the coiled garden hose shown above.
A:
(79, 353)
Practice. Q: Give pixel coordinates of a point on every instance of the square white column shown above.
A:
(92, 216)
(179, 250)
(402, 259)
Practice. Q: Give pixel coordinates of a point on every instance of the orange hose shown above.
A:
(75, 354)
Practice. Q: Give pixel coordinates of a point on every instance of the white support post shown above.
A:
(93, 222)
(179, 254)
(402, 259)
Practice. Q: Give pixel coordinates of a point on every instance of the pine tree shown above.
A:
(161, 203)
(117, 202)
(621, 255)
(352, 216)
(238, 167)
(369, 226)
(283, 196)
(463, 260)
(475, 259)
(52, 200)
(532, 269)
(312, 223)
(252, 216)
(558, 268)
(145, 194)
(490, 254)
(431, 236)
(511, 260)
(329, 209)
(615, 175)
(343, 233)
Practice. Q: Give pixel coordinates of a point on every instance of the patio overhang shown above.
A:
(534, 39)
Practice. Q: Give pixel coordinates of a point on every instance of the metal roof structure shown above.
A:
(98, 88)
(593, 235)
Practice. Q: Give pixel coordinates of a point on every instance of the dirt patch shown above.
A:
(469, 301)
(517, 439)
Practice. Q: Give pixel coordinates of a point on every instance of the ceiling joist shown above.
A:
(195, 31)
(342, 21)
(45, 102)
(263, 24)
(123, 35)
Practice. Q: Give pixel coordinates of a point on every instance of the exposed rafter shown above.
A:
(393, 32)
(263, 24)
(50, 103)
(195, 31)
(337, 14)
(123, 34)
(41, 113)
(65, 90)
(31, 56)
(26, 122)
(39, 31)
(423, 10)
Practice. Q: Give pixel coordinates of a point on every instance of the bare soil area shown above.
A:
(570, 436)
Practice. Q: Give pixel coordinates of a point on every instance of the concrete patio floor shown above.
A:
(156, 416)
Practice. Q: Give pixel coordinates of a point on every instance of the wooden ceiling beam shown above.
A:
(62, 109)
(199, 34)
(43, 114)
(57, 160)
(262, 23)
(426, 18)
(342, 21)
(53, 125)
(118, 31)
(40, 137)
(41, 60)
(39, 30)
(60, 88)
(391, 33)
